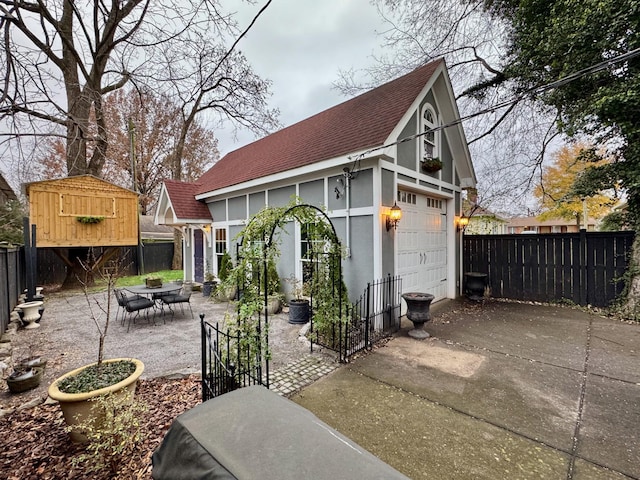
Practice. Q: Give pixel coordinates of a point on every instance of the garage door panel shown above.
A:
(422, 244)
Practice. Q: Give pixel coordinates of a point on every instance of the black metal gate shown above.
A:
(224, 360)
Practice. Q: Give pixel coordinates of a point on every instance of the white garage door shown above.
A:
(422, 244)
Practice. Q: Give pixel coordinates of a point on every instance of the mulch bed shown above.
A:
(34, 443)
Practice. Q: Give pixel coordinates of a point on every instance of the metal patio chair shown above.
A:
(135, 305)
(178, 299)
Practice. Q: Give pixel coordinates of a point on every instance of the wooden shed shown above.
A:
(82, 211)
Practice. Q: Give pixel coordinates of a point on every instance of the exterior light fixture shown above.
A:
(461, 223)
(394, 216)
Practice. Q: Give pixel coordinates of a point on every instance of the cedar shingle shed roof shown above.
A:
(363, 122)
(183, 200)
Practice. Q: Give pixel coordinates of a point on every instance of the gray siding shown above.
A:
(388, 188)
(335, 203)
(218, 210)
(358, 269)
(407, 150)
(388, 262)
(313, 192)
(279, 197)
(447, 160)
(238, 208)
(256, 202)
(362, 189)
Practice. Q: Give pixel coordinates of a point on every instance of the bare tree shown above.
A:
(61, 58)
(508, 139)
(156, 125)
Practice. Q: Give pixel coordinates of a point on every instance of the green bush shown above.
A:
(112, 435)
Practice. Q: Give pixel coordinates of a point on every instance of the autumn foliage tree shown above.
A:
(555, 192)
(60, 60)
(150, 124)
(153, 124)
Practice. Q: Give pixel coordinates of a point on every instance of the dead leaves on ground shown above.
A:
(34, 443)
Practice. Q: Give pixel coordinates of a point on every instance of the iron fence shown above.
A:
(375, 315)
(223, 355)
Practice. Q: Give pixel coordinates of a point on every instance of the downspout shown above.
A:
(347, 189)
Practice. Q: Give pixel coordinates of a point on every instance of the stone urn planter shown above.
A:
(31, 313)
(78, 408)
(299, 311)
(418, 305)
(274, 304)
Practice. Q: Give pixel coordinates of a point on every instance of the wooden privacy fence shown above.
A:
(12, 283)
(157, 256)
(585, 268)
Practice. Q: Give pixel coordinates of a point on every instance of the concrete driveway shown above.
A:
(500, 391)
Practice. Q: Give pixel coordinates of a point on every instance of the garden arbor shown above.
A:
(258, 253)
(240, 355)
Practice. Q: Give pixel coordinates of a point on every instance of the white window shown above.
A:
(221, 245)
(430, 138)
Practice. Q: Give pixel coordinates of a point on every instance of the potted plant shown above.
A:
(274, 298)
(153, 281)
(227, 288)
(89, 219)
(298, 306)
(431, 165)
(24, 378)
(208, 284)
(75, 390)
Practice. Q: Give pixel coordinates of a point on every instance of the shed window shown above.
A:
(430, 138)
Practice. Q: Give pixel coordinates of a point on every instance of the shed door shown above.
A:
(198, 255)
(422, 244)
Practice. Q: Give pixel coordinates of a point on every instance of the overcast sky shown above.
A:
(300, 45)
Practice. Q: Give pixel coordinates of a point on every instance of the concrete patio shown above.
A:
(501, 391)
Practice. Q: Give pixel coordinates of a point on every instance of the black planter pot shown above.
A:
(418, 311)
(299, 311)
(25, 379)
(207, 289)
(475, 283)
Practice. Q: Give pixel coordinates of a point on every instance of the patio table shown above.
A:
(144, 290)
(155, 293)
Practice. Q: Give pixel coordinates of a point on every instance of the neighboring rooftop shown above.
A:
(6, 192)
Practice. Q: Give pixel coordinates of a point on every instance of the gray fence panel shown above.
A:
(11, 284)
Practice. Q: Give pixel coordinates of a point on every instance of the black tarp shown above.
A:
(253, 433)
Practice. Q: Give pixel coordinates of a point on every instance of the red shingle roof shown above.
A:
(183, 200)
(360, 123)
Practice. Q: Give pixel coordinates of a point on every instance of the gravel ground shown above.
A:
(34, 443)
(68, 338)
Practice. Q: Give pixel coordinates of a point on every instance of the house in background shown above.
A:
(485, 222)
(349, 160)
(6, 192)
(533, 225)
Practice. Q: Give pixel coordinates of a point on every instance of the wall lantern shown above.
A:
(394, 216)
(461, 223)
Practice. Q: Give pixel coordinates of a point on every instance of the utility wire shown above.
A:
(535, 91)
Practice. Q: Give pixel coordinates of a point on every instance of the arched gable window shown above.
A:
(430, 140)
